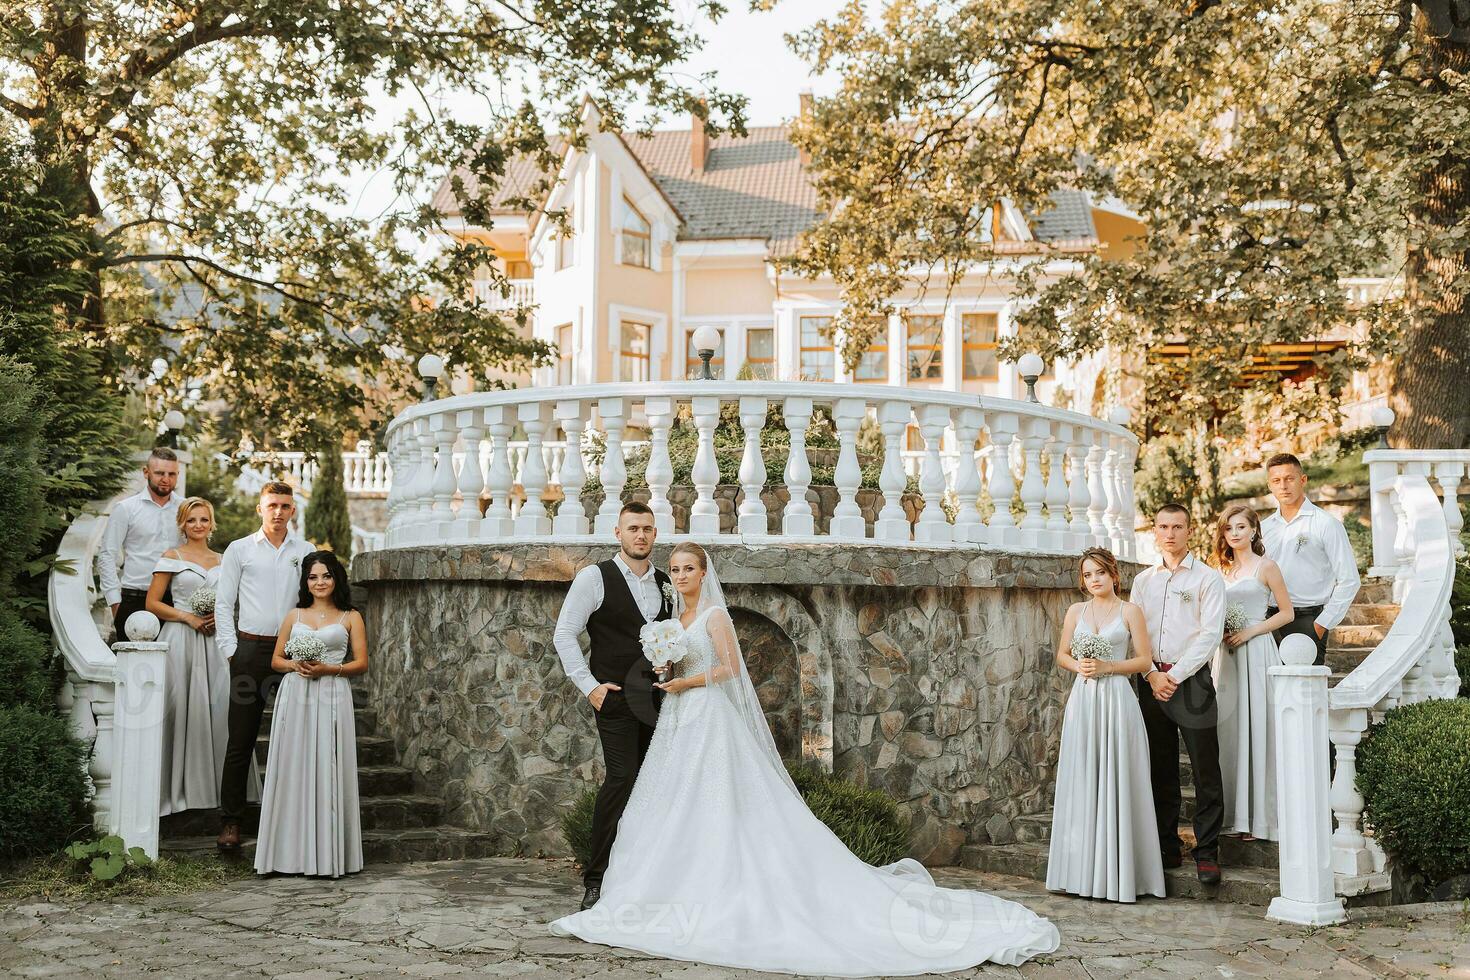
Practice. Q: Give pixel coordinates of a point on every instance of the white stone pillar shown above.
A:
(571, 517)
(1112, 517)
(534, 418)
(967, 525)
(1003, 530)
(1056, 486)
(421, 500)
(1299, 708)
(892, 524)
(445, 481)
(498, 524)
(1349, 848)
(932, 526)
(752, 519)
(1033, 490)
(847, 519)
(138, 741)
(614, 475)
(797, 520)
(1449, 475)
(660, 473)
(704, 515)
(471, 479)
(1097, 503)
(1079, 498)
(1383, 517)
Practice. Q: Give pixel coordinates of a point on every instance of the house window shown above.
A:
(692, 367)
(818, 358)
(637, 237)
(980, 361)
(760, 353)
(926, 347)
(566, 245)
(635, 348)
(872, 367)
(564, 354)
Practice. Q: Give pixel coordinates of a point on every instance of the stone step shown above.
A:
(1370, 613)
(372, 750)
(403, 810)
(1344, 659)
(1357, 636)
(365, 721)
(1374, 592)
(438, 843)
(1035, 828)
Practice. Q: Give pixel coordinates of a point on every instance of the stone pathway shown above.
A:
(485, 918)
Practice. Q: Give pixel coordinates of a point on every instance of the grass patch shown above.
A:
(57, 877)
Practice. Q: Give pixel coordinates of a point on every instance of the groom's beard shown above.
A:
(638, 553)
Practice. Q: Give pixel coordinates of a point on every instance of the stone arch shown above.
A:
(813, 663)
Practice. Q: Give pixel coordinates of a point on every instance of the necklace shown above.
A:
(1096, 606)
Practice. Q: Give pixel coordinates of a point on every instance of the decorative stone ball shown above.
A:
(142, 626)
(1298, 651)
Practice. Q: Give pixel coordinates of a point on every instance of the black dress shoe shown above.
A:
(1208, 870)
(590, 897)
(1172, 861)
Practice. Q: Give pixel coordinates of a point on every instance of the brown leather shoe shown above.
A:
(229, 837)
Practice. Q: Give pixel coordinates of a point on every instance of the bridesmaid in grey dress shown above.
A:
(1247, 739)
(309, 818)
(196, 712)
(1104, 841)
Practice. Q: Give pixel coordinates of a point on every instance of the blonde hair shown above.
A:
(189, 505)
(690, 548)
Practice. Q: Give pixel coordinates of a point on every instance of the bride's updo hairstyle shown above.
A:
(1105, 560)
(690, 548)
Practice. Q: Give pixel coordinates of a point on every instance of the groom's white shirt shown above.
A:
(583, 599)
(1184, 610)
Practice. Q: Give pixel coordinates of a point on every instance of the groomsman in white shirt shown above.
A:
(1183, 602)
(139, 530)
(1312, 549)
(262, 573)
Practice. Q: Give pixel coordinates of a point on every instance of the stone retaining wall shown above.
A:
(926, 673)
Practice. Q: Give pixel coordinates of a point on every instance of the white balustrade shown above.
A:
(447, 454)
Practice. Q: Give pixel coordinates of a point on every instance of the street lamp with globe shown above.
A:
(431, 369)
(706, 342)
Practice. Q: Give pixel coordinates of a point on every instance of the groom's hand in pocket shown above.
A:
(599, 694)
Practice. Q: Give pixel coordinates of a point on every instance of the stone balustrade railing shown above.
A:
(364, 472)
(1416, 540)
(522, 294)
(1070, 474)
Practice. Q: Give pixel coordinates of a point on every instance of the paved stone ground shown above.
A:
(485, 918)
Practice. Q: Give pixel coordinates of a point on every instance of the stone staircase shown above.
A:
(1251, 869)
(398, 823)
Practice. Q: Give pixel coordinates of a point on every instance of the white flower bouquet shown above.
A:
(305, 647)
(663, 642)
(1235, 618)
(1090, 646)
(201, 603)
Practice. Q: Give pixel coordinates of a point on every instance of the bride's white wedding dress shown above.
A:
(718, 860)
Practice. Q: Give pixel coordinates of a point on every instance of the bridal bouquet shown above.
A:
(1235, 618)
(663, 642)
(1090, 646)
(305, 647)
(201, 603)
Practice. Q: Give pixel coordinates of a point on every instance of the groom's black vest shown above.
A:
(617, 654)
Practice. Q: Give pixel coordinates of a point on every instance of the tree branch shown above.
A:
(18, 108)
(188, 261)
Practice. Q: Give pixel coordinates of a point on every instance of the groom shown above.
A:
(612, 601)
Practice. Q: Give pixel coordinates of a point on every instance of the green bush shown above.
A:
(866, 820)
(1460, 603)
(42, 787)
(328, 523)
(25, 673)
(1462, 667)
(1414, 774)
(1360, 536)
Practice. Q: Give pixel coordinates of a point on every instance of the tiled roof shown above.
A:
(756, 187)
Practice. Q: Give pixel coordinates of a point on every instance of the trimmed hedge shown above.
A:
(1414, 774)
(42, 787)
(866, 820)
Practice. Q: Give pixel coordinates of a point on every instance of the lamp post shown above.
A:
(1120, 416)
(173, 422)
(1382, 418)
(1031, 367)
(431, 369)
(706, 341)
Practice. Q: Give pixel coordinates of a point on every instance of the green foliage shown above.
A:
(22, 506)
(58, 878)
(25, 673)
(1462, 667)
(235, 516)
(866, 820)
(1414, 774)
(1460, 602)
(106, 858)
(328, 523)
(42, 788)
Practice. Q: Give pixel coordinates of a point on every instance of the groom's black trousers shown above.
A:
(625, 738)
(1189, 715)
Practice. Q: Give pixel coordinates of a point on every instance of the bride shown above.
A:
(718, 860)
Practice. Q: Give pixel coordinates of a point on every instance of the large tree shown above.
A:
(1270, 149)
(204, 143)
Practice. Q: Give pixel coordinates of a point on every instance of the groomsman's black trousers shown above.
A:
(1190, 714)
(625, 737)
(1305, 624)
(252, 685)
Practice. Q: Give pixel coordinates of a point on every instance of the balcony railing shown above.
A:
(1068, 474)
(522, 293)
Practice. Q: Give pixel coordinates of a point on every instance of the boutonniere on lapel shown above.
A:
(668, 591)
(296, 562)
(1301, 541)
(1185, 596)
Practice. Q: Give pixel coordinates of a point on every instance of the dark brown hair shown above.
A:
(1284, 459)
(1174, 508)
(636, 507)
(1224, 555)
(278, 488)
(1109, 564)
(164, 453)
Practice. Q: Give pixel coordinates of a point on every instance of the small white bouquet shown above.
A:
(663, 642)
(1235, 618)
(305, 647)
(1090, 646)
(201, 603)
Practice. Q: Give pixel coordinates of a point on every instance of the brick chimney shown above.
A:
(804, 100)
(698, 143)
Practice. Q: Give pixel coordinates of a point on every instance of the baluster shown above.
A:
(704, 516)
(498, 524)
(1097, 502)
(1079, 493)
(892, 523)
(1112, 517)
(932, 525)
(391, 502)
(534, 418)
(1403, 547)
(1003, 531)
(1056, 486)
(1449, 475)
(104, 754)
(753, 518)
(613, 474)
(442, 508)
(847, 518)
(471, 479)
(967, 524)
(421, 528)
(571, 517)
(1127, 509)
(382, 471)
(1349, 850)
(660, 412)
(798, 520)
(1383, 515)
(1033, 490)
